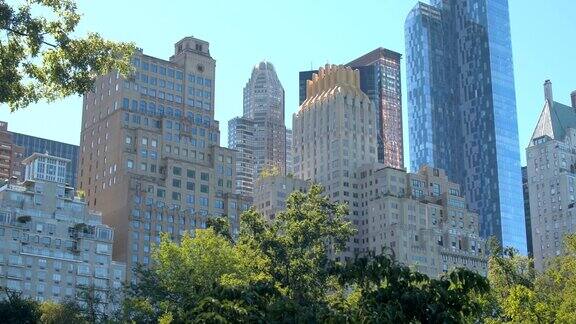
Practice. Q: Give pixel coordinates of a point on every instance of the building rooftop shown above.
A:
(373, 56)
(264, 65)
(34, 156)
(554, 120)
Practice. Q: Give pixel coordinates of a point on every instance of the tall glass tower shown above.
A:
(462, 107)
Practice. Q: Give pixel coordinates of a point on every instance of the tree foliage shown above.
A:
(87, 307)
(15, 309)
(56, 313)
(521, 295)
(40, 59)
(270, 171)
(281, 272)
(187, 276)
(384, 291)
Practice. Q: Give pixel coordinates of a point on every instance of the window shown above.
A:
(205, 176)
(177, 171)
(101, 272)
(176, 196)
(102, 248)
(83, 269)
(190, 186)
(204, 188)
(191, 173)
(104, 234)
(130, 164)
(176, 183)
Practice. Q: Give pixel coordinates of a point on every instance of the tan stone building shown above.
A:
(271, 193)
(150, 158)
(421, 220)
(51, 244)
(334, 133)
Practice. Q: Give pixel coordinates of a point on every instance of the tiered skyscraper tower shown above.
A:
(334, 134)
(150, 158)
(380, 80)
(264, 145)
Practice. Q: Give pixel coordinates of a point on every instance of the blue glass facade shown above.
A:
(33, 144)
(462, 107)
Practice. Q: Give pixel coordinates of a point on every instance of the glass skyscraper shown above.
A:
(462, 107)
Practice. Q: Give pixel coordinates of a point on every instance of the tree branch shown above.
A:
(26, 35)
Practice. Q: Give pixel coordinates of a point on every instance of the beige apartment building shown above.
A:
(271, 193)
(421, 220)
(551, 178)
(334, 134)
(150, 158)
(51, 244)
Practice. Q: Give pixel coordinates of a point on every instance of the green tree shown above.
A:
(55, 313)
(221, 226)
(297, 246)
(511, 276)
(383, 291)
(39, 58)
(556, 286)
(518, 294)
(186, 274)
(281, 272)
(270, 171)
(15, 309)
(95, 305)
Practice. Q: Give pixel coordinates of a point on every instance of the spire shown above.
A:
(548, 92)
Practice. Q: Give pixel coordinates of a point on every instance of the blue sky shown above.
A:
(296, 35)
